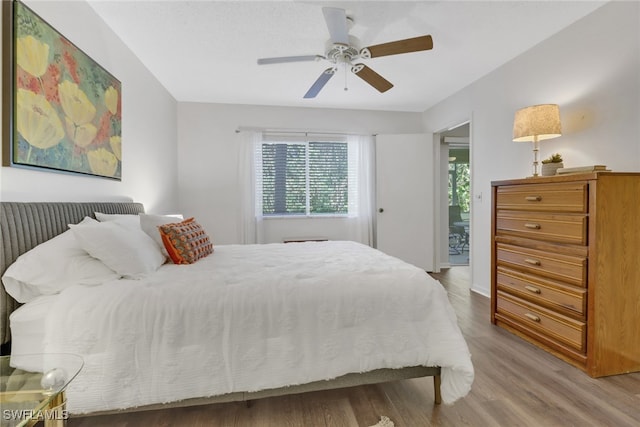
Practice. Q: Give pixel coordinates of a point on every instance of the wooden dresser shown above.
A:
(566, 267)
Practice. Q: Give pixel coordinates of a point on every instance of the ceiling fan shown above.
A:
(342, 50)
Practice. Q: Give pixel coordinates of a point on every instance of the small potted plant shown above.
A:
(551, 164)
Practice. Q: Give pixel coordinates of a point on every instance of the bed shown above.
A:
(248, 324)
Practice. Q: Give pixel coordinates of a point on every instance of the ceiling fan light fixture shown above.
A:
(343, 49)
(337, 51)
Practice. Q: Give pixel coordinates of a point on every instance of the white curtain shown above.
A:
(250, 184)
(362, 189)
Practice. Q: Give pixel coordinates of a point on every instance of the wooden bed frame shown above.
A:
(25, 225)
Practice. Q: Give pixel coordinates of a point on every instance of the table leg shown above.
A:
(57, 412)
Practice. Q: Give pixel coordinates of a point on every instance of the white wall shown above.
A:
(149, 173)
(592, 70)
(208, 159)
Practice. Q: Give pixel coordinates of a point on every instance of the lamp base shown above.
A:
(536, 158)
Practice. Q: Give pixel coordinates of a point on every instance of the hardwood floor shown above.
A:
(516, 384)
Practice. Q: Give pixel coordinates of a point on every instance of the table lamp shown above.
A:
(537, 123)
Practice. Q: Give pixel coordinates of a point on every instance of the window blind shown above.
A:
(304, 176)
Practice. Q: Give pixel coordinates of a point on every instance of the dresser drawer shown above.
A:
(570, 300)
(560, 328)
(560, 228)
(564, 197)
(567, 268)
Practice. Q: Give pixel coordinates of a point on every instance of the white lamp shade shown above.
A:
(537, 122)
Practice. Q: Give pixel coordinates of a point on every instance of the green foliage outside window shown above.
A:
(305, 178)
(328, 178)
(460, 186)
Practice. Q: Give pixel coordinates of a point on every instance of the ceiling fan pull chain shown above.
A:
(345, 77)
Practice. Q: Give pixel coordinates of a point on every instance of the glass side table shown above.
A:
(32, 388)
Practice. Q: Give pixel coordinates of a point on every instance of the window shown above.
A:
(326, 180)
(304, 177)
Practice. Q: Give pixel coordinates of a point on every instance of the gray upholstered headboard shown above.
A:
(25, 225)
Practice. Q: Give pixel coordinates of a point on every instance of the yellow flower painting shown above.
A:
(37, 120)
(102, 162)
(116, 146)
(111, 99)
(75, 103)
(32, 55)
(67, 108)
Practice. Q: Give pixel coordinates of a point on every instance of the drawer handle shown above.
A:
(533, 289)
(532, 226)
(532, 317)
(533, 198)
(532, 261)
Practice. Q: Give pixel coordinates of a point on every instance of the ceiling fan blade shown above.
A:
(320, 82)
(337, 23)
(285, 59)
(371, 77)
(399, 46)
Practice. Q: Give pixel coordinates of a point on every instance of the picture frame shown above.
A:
(62, 111)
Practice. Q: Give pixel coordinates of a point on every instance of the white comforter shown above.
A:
(252, 317)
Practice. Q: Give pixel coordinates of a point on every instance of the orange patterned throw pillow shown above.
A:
(186, 241)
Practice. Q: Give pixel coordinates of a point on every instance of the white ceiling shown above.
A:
(206, 51)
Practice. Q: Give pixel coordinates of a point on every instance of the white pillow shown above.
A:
(150, 223)
(127, 251)
(131, 221)
(53, 266)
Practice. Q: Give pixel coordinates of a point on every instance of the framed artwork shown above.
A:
(61, 110)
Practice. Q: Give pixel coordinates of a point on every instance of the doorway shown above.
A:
(458, 189)
(457, 194)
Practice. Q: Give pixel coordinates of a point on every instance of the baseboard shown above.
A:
(480, 291)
